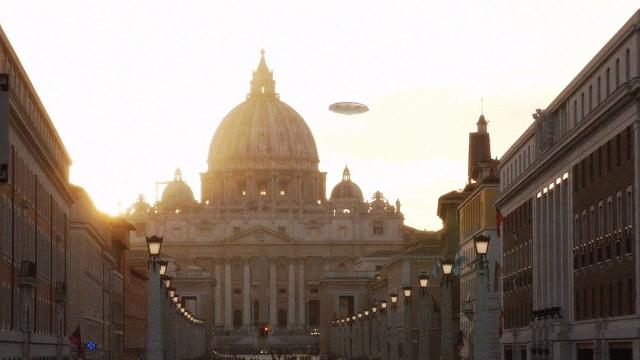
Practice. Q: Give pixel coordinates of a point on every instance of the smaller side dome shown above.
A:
(346, 189)
(140, 206)
(177, 195)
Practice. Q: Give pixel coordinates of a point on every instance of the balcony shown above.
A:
(28, 273)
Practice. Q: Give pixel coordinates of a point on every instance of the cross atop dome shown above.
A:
(262, 83)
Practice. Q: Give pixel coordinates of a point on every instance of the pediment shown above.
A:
(259, 235)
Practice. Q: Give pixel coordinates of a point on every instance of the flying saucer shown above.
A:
(348, 108)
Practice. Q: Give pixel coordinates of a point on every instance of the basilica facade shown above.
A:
(265, 245)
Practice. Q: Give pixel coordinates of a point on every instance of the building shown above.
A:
(477, 216)
(569, 188)
(264, 230)
(132, 313)
(35, 201)
(95, 285)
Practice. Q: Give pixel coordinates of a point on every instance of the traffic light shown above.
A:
(265, 329)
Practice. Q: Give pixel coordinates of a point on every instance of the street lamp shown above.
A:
(167, 281)
(394, 298)
(423, 279)
(482, 314)
(407, 293)
(172, 292)
(383, 305)
(163, 266)
(359, 315)
(154, 243)
(481, 243)
(154, 298)
(447, 266)
(374, 309)
(366, 313)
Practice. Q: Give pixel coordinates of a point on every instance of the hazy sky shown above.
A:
(136, 88)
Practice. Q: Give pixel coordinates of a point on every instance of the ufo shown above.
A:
(348, 108)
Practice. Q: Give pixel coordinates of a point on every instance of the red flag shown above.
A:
(496, 278)
(76, 339)
(499, 221)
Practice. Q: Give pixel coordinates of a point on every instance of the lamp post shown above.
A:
(408, 336)
(154, 300)
(424, 317)
(482, 327)
(366, 334)
(393, 324)
(385, 337)
(446, 338)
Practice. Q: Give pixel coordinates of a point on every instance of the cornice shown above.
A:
(584, 129)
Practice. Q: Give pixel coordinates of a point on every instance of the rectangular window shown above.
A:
(600, 162)
(583, 230)
(608, 155)
(600, 219)
(631, 289)
(598, 90)
(618, 151)
(608, 82)
(592, 224)
(584, 304)
(342, 230)
(629, 144)
(141, 229)
(591, 168)
(575, 112)
(590, 97)
(378, 227)
(629, 214)
(610, 298)
(627, 60)
(609, 215)
(581, 106)
(617, 73)
(620, 298)
(601, 301)
(619, 218)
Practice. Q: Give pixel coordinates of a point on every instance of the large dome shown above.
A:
(263, 132)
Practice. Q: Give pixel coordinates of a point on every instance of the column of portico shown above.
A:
(218, 294)
(273, 295)
(291, 293)
(302, 318)
(246, 293)
(228, 313)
